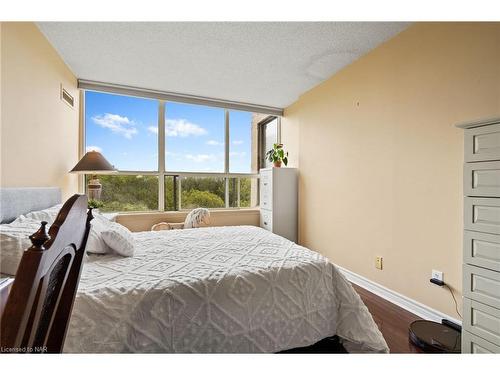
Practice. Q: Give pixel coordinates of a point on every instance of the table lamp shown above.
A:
(93, 163)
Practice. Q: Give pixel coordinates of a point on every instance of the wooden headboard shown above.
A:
(19, 201)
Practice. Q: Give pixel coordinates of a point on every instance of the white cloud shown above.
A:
(201, 158)
(237, 142)
(183, 128)
(117, 124)
(237, 154)
(214, 143)
(153, 129)
(93, 148)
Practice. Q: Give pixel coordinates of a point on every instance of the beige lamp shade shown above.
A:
(93, 163)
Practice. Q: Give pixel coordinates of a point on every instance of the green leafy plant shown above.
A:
(277, 155)
(196, 198)
(94, 203)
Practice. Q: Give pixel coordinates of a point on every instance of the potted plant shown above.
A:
(95, 204)
(277, 155)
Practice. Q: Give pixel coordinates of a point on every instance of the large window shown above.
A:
(194, 138)
(119, 128)
(268, 136)
(128, 192)
(173, 156)
(209, 192)
(240, 145)
(241, 192)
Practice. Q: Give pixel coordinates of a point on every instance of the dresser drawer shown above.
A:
(266, 190)
(482, 214)
(266, 177)
(482, 143)
(266, 200)
(266, 219)
(482, 179)
(476, 345)
(482, 249)
(482, 285)
(482, 320)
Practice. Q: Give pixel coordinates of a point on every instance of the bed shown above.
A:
(222, 289)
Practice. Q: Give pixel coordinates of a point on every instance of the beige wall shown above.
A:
(39, 132)
(381, 160)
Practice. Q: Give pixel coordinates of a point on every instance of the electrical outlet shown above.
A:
(378, 263)
(438, 275)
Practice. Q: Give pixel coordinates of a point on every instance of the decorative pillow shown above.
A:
(175, 226)
(119, 239)
(49, 215)
(95, 242)
(14, 240)
(196, 218)
(167, 226)
(160, 226)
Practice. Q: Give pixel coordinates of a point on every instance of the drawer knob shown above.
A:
(265, 222)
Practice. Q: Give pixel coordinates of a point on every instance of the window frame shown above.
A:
(261, 126)
(161, 172)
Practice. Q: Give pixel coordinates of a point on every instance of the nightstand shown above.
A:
(5, 285)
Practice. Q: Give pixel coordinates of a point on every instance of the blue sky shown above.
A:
(124, 129)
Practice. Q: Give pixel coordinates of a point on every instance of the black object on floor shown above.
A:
(330, 345)
(433, 337)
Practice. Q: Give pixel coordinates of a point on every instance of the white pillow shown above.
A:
(119, 239)
(14, 240)
(95, 242)
(197, 218)
(49, 215)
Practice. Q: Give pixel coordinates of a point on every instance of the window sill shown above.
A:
(216, 211)
(143, 221)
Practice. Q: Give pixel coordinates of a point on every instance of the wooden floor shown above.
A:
(392, 320)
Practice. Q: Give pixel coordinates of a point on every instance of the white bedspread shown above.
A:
(229, 289)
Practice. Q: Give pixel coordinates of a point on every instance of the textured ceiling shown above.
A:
(253, 62)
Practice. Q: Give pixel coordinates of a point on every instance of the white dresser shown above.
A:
(278, 201)
(481, 269)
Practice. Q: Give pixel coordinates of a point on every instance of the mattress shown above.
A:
(225, 289)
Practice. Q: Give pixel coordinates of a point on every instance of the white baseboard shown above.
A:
(396, 298)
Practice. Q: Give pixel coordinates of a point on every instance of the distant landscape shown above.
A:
(140, 193)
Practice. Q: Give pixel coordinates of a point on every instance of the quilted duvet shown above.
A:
(227, 289)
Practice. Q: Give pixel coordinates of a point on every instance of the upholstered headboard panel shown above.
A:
(19, 201)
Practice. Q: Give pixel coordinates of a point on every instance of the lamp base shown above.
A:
(94, 188)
